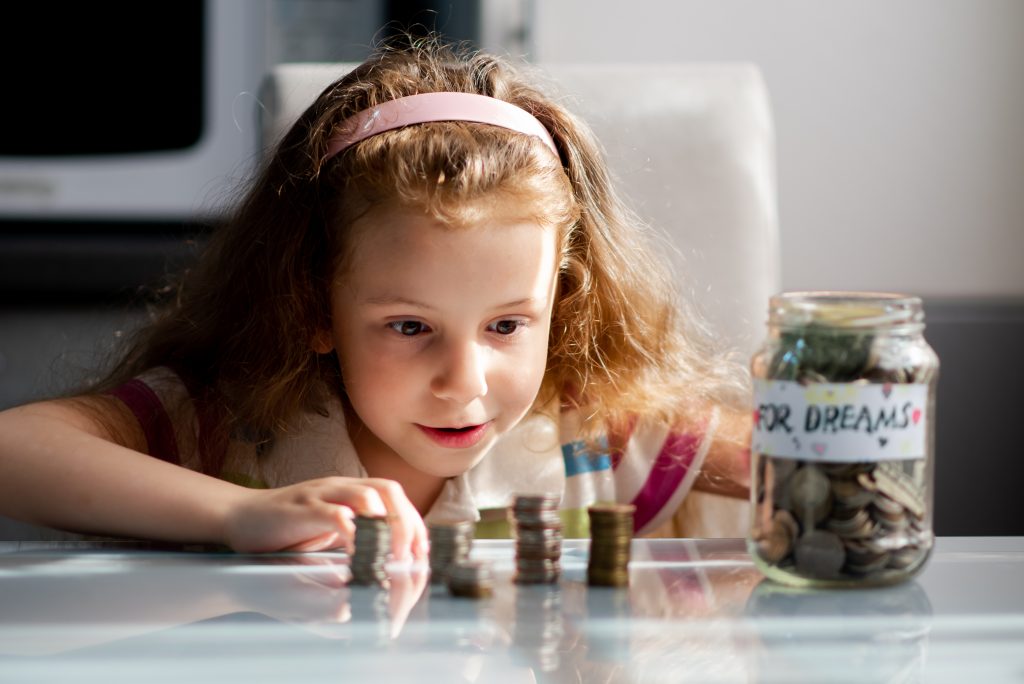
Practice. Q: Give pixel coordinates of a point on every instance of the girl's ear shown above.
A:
(321, 342)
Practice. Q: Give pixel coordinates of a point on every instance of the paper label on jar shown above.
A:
(840, 422)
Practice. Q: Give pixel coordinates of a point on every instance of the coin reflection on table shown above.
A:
(537, 629)
(804, 635)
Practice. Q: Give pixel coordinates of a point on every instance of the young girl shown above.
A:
(430, 299)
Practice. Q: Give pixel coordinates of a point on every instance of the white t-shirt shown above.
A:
(653, 468)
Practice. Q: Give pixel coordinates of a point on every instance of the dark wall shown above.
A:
(978, 454)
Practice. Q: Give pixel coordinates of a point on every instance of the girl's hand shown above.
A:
(318, 514)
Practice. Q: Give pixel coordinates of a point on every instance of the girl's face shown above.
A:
(442, 333)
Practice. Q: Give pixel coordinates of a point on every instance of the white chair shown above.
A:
(693, 148)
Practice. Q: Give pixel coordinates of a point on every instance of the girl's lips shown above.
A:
(456, 439)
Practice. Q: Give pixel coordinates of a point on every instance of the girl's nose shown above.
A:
(462, 376)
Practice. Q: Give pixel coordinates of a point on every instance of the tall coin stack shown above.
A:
(538, 533)
(450, 542)
(611, 533)
(373, 541)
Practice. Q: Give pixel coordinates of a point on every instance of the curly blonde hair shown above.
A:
(241, 331)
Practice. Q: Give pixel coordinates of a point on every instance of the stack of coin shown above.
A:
(538, 532)
(470, 579)
(373, 541)
(450, 542)
(611, 533)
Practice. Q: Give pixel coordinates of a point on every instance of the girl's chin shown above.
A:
(447, 464)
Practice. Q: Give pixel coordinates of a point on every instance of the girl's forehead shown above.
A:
(390, 228)
(405, 250)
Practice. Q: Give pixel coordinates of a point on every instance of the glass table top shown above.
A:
(694, 610)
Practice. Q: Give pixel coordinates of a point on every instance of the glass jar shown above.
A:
(843, 440)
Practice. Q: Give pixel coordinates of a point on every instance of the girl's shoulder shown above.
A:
(160, 402)
(162, 380)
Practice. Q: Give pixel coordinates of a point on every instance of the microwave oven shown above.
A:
(127, 110)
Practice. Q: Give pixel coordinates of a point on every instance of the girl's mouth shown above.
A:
(456, 438)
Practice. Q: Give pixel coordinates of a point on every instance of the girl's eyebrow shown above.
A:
(393, 300)
(390, 300)
(528, 302)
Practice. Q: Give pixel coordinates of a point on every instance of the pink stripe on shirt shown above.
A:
(670, 467)
(152, 416)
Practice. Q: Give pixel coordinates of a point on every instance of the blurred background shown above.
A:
(900, 165)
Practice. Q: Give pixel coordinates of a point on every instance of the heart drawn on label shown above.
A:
(887, 389)
(757, 416)
(819, 448)
(882, 441)
(916, 416)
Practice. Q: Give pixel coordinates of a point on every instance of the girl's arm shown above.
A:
(61, 468)
(726, 468)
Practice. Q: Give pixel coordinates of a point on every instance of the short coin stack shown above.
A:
(373, 541)
(538, 532)
(450, 542)
(470, 579)
(611, 533)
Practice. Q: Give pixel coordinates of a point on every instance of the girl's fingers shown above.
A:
(357, 495)
(381, 497)
(328, 540)
(408, 533)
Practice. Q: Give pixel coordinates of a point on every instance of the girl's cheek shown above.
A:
(525, 379)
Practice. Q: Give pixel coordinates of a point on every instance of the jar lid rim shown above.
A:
(843, 296)
(846, 309)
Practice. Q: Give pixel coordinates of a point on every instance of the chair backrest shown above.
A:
(693, 148)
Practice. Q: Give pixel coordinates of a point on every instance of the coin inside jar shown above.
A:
(810, 495)
(820, 554)
(850, 493)
(777, 543)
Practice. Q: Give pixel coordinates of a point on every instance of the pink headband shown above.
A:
(425, 107)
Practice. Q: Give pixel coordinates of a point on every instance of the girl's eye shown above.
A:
(506, 327)
(408, 328)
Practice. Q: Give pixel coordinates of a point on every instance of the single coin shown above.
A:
(859, 526)
(819, 554)
(893, 482)
(785, 521)
(774, 546)
(810, 493)
(850, 493)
